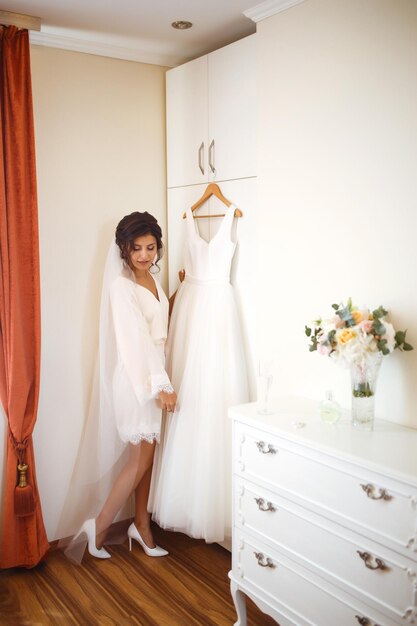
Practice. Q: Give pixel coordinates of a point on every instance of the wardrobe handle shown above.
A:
(261, 505)
(364, 621)
(200, 157)
(264, 561)
(367, 558)
(370, 492)
(211, 157)
(262, 447)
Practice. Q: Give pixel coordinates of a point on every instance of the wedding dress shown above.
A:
(191, 487)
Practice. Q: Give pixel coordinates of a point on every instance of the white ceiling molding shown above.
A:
(137, 30)
(268, 8)
(21, 21)
(116, 47)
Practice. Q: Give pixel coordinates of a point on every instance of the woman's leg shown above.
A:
(140, 461)
(142, 517)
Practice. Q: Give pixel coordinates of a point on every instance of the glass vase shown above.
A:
(364, 375)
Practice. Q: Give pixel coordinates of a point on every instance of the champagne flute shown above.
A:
(266, 368)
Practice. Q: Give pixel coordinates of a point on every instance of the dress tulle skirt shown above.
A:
(191, 489)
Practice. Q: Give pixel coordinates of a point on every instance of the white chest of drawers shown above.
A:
(324, 518)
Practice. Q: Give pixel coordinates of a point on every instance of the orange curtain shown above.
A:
(23, 541)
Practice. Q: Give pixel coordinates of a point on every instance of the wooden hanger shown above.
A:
(212, 190)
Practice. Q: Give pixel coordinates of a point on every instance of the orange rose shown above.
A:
(346, 336)
(357, 316)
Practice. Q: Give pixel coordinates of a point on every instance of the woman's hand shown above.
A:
(181, 276)
(168, 400)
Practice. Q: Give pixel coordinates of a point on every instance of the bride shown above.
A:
(131, 390)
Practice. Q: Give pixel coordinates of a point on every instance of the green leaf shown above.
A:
(308, 331)
(335, 306)
(330, 336)
(346, 316)
(407, 347)
(382, 329)
(400, 337)
(378, 327)
(382, 346)
(379, 312)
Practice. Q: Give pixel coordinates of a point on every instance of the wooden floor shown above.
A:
(189, 587)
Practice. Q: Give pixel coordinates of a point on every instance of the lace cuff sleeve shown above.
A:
(160, 382)
(165, 388)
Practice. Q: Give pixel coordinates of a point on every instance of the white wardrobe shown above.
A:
(211, 137)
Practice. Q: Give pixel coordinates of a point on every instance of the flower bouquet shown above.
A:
(357, 338)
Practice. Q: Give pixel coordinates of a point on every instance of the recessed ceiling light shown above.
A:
(181, 25)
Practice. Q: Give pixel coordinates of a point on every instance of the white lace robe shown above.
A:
(140, 324)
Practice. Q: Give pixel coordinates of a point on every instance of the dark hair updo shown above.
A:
(137, 225)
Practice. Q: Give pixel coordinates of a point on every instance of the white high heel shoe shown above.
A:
(133, 533)
(89, 529)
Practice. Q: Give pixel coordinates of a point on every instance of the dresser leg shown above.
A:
(239, 600)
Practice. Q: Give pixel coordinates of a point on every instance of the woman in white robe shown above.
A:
(131, 390)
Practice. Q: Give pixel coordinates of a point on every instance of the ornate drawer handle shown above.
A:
(261, 505)
(370, 492)
(364, 621)
(367, 558)
(264, 561)
(262, 447)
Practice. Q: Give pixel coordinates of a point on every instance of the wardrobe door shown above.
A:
(187, 123)
(232, 110)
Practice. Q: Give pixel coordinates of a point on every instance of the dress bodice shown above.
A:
(209, 261)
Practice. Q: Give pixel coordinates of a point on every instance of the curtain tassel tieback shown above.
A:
(24, 498)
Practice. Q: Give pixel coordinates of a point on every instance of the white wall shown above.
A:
(337, 185)
(100, 144)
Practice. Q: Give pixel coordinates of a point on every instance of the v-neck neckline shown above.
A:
(232, 206)
(158, 299)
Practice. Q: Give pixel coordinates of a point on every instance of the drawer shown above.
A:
(347, 493)
(296, 592)
(328, 548)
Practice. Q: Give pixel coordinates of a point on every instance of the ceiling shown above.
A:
(138, 29)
